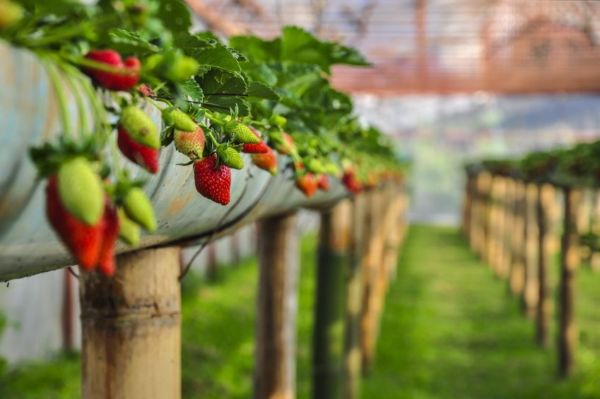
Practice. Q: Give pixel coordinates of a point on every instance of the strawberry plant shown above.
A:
(218, 99)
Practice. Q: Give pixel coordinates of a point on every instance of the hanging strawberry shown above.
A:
(323, 182)
(213, 180)
(266, 161)
(110, 233)
(124, 78)
(242, 134)
(259, 148)
(284, 144)
(349, 180)
(138, 209)
(74, 207)
(129, 231)
(230, 156)
(138, 138)
(307, 184)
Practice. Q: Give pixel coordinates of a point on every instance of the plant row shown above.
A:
(217, 98)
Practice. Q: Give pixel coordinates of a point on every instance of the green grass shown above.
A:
(450, 330)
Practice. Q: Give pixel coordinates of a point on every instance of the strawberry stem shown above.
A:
(68, 72)
(57, 86)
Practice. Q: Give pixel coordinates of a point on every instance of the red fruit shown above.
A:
(142, 155)
(352, 184)
(124, 79)
(213, 181)
(259, 148)
(110, 234)
(82, 240)
(307, 184)
(266, 161)
(323, 182)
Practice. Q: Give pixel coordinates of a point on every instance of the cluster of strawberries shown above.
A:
(88, 220)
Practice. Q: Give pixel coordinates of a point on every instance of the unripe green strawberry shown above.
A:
(181, 69)
(140, 127)
(10, 13)
(179, 119)
(242, 134)
(80, 190)
(332, 169)
(190, 143)
(315, 166)
(278, 120)
(138, 208)
(230, 157)
(129, 230)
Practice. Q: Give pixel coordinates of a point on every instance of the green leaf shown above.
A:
(224, 91)
(125, 41)
(191, 89)
(175, 15)
(219, 57)
(256, 89)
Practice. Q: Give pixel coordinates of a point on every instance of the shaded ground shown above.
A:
(450, 330)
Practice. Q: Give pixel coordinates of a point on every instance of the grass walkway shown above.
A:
(450, 331)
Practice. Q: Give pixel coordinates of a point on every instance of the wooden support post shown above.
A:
(569, 262)
(517, 267)
(278, 254)
(595, 226)
(332, 267)
(132, 329)
(212, 263)
(374, 285)
(68, 312)
(468, 200)
(354, 289)
(508, 231)
(544, 201)
(530, 291)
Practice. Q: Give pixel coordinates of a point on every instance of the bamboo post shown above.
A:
(544, 202)
(68, 312)
(467, 213)
(517, 267)
(332, 267)
(212, 263)
(595, 225)
(275, 371)
(569, 262)
(131, 328)
(530, 291)
(354, 289)
(372, 270)
(474, 228)
(508, 230)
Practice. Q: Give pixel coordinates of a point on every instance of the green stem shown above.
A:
(71, 74)
(98, 66)
(212, 138)
(57, 86)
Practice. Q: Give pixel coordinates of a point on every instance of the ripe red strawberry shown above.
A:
(323, 182)
(266, 161)
(213, 181)
(145, 156)
(124, 79)
(307, 184)
(82, 240)
(349, 180)
(259, 148)
(190, 143)
(110, 234)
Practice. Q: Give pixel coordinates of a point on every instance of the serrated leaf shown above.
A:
(224, 91)
(125, 41)
(191, 89)
(219, 57)
(259, 90)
